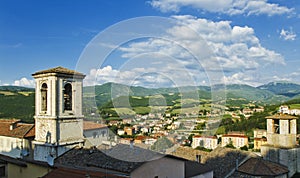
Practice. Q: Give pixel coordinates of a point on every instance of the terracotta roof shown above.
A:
(281, 116)
(62, 172)
(263, 139)
(20, 130)
(232, 135)
(89, 125)
(261, 167)
(59, 70)
(141, 137)
(205, 136)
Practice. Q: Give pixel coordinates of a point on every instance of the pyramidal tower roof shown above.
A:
(58, 71)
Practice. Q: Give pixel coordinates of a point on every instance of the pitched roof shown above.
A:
(205, 136)
(13, 160)
(233, 135)
(82, 157)
(89, 125)
(20, 130)
(122, 159)
(261, 167)
(59, 70)
(281, 116)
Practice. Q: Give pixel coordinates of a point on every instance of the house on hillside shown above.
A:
(209, 142)
(238, 140)
(260, 138)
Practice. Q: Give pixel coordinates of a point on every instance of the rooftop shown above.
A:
(122, 159)
(59, 70)
(261, 167)
(281, 116)
(13, 128)
(89, 125)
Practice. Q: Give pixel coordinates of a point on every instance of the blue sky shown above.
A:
(254, 42)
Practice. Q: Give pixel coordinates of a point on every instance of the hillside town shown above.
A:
(63, 143)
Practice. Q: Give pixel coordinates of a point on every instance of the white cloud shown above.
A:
(24, 82)
(197, 45)
(235, 47)
(288, 35)
(230, 7)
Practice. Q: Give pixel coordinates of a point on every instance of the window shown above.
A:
(68, 97)
(103, 133)
(44, 97)
(94, 134)
(276, 126)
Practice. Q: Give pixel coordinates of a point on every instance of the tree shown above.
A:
(245, 148)
(230, 145)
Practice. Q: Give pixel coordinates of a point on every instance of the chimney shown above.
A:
(131, 144)
(13, 125)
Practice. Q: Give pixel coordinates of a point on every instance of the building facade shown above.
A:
(209, 142)
(237, 140)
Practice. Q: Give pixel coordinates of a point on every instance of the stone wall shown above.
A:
(287, 157)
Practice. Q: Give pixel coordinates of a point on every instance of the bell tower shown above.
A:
(58, 112)
(282, 144)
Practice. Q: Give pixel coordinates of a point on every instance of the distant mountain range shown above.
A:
(274, 92)
(282, 88)
(18, 102)
(271, 93)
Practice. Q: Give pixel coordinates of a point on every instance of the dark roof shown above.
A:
(261, 167)
(123, 159)
(20, 130)
(281, 116)
(59, 70)
(13, 160)
(193, 168)
(81, 157)
(63, 172)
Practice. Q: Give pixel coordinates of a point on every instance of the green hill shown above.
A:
(17, 104)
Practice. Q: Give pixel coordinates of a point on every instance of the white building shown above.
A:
(284, 109)
(295, 112)
(237, 140)
(259, 133)
(209, 142)
(95, 133)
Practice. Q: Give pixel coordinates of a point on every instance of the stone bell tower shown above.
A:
(58, 112)
(282, 144)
